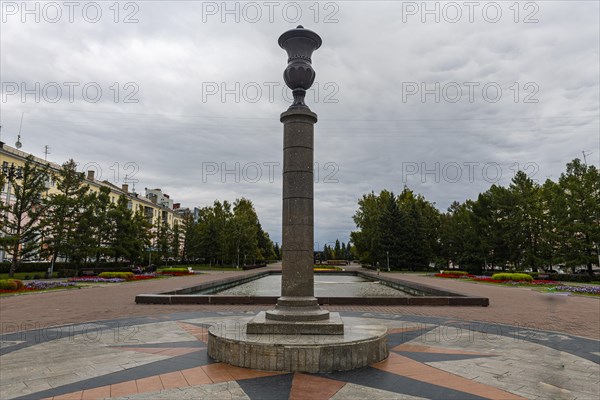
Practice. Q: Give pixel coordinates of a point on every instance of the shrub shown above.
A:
(11, 284)
(67, 273)
(128, 276)
(516, 277)
(328, 267)
(175, 271)
(454, 272)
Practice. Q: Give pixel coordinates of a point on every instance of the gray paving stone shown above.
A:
(217, 391)
(351, 391)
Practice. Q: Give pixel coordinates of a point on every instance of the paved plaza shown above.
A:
(79, 347)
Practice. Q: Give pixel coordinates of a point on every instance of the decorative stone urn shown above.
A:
(297, 335)
(299, 74)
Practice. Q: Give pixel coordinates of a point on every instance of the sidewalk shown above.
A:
(508, 305)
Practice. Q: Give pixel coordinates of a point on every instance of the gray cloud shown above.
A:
(371, 136)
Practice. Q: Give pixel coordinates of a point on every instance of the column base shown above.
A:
(297, 309)
(262, 324)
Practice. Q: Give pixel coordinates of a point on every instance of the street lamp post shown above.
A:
(387, 253)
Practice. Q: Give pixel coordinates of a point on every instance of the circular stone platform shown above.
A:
(359, 346)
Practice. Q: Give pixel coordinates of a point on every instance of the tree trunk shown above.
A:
(13, 264)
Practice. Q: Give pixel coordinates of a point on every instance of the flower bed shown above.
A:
(143, 277)
(39, 285)
(589, 290)
(454, 276)
(516, 279)
(96, 279)
(43, 285)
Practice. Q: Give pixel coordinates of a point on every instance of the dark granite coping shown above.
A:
(435, 297)
(403, 285)
(271, 300)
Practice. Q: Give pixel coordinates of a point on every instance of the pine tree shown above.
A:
(579, 218)
(176, 241)
(20, 219)
(64, 212)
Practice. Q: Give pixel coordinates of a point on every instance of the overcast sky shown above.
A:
(447, 100)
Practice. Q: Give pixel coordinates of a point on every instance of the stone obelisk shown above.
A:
(297, 309)
(297, 335)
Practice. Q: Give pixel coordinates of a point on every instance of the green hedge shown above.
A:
(515, 277)
(454, 272)
(121, 275)
(174, 270)
(11, 284)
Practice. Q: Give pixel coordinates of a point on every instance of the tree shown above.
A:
(122, 239)
(244, 229)
(367, 238)
(162, 238)
(277, 251)
(176, 241)
(525, 222)
(191, 238)
(20, 219)
(141, 236)
(578, 216)
(84, 240)
(264, 244)
(64, 212)
(100, 220)
(392, 233)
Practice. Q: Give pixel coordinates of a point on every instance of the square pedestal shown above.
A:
(261, 325)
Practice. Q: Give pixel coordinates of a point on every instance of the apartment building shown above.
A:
(156, 205)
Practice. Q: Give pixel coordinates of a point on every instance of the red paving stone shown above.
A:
(69, 396)
(149, 384)
(310, 387)
(123, 389)
(196, 376)
(173, 380)
(96, 393)
(508, 305)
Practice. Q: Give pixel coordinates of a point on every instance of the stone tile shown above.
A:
(70, 396)
(96, 393)
(218, 391)
(123, 389)
(351, 391)
(196, 376)
(313, 387)
(218, 372)
(149, 384)
(173, 380)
